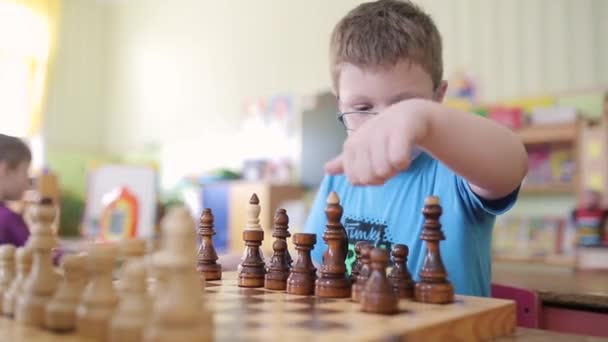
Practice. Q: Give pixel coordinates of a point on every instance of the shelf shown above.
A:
(551, 260)
(549, 188)
(553, 133)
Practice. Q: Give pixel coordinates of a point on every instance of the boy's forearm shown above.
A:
(489, 156)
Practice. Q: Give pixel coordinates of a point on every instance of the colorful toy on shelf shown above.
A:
(119, 215)
(589, 219)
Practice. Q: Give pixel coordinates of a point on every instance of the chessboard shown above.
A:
(257, 314)
(180, 294)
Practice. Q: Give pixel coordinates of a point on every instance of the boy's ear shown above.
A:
(441, 91)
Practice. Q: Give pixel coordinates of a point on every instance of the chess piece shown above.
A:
(131, 316)
(278, 271)
(158, 272)
(301, 280)
(433, 286)
(252, 269)
(207, 266)
(400, 277)
(178, 312)
(253, 224)
(42, 281)
(7, 269)
(99, 299)
(132, 248)
(357, 267)
(281, 231)
(378, 295)
(333, 282)
(364, 273)
(253, 214)
(23, 258)
(60, 314)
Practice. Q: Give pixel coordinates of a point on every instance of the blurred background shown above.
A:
(130, 106)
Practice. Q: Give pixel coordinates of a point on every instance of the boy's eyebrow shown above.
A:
(402, 96)
(358, 98)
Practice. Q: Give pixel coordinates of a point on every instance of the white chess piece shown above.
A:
(179, 312)
(132, 314)
(42, 281)
(7, 269)
(23, 258)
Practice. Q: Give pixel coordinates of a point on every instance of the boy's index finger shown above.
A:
(335, 166)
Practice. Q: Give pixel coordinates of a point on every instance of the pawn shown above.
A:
(99, 298)
(178, 313)
(378, 295)
(132, 248)
(131, 316)
(41, 283)
(400, 277)
(207, 265)
(7, 269)
(364, 273)
(251, 271)
(281, 230)
(301, 280)
(61, 311)
(278, 271)
(24, 265)
(357, 267)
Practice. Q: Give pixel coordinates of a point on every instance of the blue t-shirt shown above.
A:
(392, 213)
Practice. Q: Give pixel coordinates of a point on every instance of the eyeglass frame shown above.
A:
(340, 116)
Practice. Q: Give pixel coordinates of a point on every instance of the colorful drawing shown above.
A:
(119, 215)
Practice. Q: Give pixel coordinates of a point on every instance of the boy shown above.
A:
(15, 158)
(403, 145)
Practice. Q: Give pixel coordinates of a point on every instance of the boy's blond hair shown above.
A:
(13, 151)
(384, 32)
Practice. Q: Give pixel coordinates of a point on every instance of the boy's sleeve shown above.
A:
(315, 223)
(476, 203)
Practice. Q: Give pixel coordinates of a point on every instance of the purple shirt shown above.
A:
(13, 229)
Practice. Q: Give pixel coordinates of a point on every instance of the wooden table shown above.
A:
(570, 301)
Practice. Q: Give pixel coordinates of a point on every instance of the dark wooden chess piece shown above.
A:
(357, 267)
(378, 295)
(207, 265)
(251, 269)
(281, 231)
(333, 281)
(364, 273)
(400, 277)
(433, 286)
(301, 280)
(278, 271)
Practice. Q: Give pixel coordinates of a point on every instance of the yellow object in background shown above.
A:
(529, 103)
(459, 104)
(595, 181)
(594, 149)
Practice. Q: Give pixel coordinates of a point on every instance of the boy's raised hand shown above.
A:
(382, 146)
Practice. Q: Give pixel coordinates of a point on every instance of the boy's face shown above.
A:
(14, 181)
(367, 89)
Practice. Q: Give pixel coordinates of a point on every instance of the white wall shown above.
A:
(76, 113)
(182, 68)
(140, 73)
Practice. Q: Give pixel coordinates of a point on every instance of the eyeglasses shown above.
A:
(352, 120)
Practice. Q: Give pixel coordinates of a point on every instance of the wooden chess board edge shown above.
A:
(500, 321)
